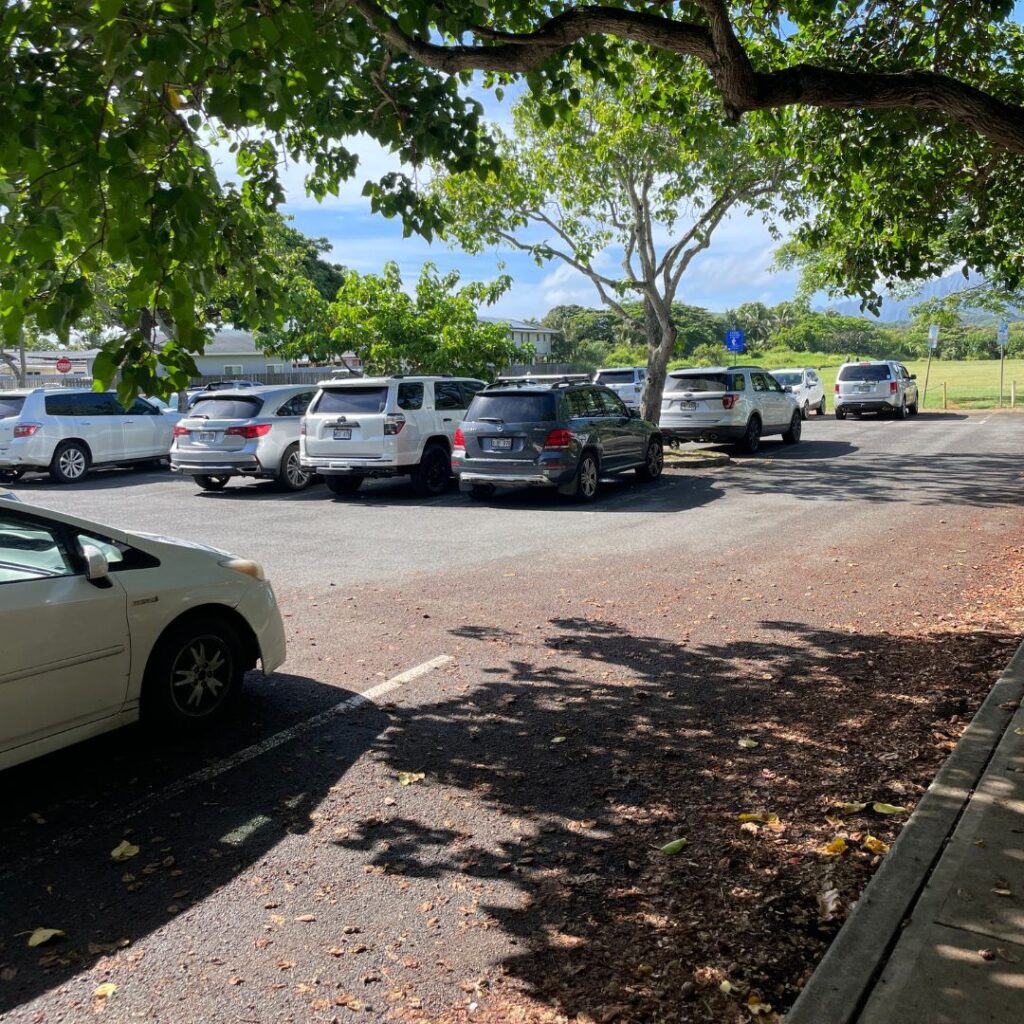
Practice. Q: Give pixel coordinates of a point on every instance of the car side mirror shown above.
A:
(97, 568)
(634, 414)
(788, 388)
(913, 376)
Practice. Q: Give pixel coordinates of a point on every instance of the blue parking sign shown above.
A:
(734, 341)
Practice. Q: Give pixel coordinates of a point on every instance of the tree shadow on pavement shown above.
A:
(200, 811)
(587, 750)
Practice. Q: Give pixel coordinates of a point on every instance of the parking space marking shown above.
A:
(207, 774)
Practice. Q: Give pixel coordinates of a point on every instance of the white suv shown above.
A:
(626, 381)
(805, 386)
(731, 403)
(875, 385)
(385, 426)
(67, 430)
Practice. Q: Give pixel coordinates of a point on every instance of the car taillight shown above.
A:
(557, 439)
(459, 441)
(893, 387)
(26, 429)
(179, 431)
(393, 423)
(837, 388)
(302, 428)
(249, 431)
(728, 401)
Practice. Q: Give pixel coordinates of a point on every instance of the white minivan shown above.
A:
(67, 430)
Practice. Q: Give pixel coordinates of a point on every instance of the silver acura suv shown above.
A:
(252, 431)
(875, 385)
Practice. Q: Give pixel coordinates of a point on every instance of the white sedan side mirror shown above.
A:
(96, 565)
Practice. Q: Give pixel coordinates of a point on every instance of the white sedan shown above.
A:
(99, 627)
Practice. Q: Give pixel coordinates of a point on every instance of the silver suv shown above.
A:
(252, 431)
(626, 381)
(385, 426)
(876, 385)
(728, 403)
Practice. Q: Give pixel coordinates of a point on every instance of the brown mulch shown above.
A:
(729, 928)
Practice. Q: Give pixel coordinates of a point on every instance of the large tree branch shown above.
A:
(742, 88)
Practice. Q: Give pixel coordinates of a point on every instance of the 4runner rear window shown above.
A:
(703, 382)
(10, 405)
(513, 408)
(226, 408)
(367, 399)
(871, 372)
(615, 377)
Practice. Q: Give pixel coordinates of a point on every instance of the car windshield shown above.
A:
(10, 405)
(615, 377)
(223, 408)
(368, 399)
(869, 372)
(789, 380)
(512, 407)
(700, 382)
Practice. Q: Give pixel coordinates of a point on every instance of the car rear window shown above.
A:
(10, 405)
(615, 377)
(222, 408)
(702, 382)
(367, 399)
(513, 408)
(871, 372)
(788, 379)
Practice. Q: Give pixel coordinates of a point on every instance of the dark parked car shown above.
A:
(567, 435)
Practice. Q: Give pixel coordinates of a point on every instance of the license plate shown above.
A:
(207, 435)
(865, 388)
(501, 443)
(688, 405)
(342, 433)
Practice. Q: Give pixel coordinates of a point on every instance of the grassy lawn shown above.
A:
(970, 384)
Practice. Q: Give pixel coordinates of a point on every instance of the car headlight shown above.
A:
(246, 566)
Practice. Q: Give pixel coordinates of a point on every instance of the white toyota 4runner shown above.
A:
(385, 426)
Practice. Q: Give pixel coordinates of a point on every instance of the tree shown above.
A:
(435, 330)
(619, 175)
(909, 120)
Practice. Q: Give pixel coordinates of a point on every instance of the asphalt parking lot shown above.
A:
(285, 872)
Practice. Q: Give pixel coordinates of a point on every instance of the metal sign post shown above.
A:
(1002, 337)
(933, 344)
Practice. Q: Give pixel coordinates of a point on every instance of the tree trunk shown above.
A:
(661, 341)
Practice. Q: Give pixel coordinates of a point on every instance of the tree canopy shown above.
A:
(909, 128)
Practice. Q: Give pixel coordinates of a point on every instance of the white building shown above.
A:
(542, 338)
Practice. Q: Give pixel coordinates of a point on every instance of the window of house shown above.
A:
(232, 368)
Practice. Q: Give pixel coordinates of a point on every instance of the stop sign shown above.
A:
(63, 365)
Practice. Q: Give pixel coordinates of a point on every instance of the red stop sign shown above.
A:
(63, 365)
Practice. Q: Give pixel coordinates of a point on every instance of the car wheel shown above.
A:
(840, 414)
(193, 675)
(292, 476)
(343, 484)
(901, 412)
(212, 483)
(482, 492)
(751, 442)
(654, 461)
(431, 476)
(805, 410)
(792, 436)
(914, 408)
(586, 478)
(821, 406)
(70, 462)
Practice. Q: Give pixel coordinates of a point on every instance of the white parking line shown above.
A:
(210, 772)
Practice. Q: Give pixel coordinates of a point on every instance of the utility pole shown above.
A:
(933, 344)
(1002, 337)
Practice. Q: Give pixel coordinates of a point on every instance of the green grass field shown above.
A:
(970, 384)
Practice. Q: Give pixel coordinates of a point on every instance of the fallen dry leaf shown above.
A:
(408, 778)
(834, 848)
(104, 991)
(674, 847)
(124, 851)
(889, 809)
(43, 935)
(746, 743)
(850, 807)
(874, 845)
(558, 739)
(828, 904)
(763, 819)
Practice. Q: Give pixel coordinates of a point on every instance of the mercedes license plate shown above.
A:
(690, 406)
(501, 443)
(207, 435)
(342, 433)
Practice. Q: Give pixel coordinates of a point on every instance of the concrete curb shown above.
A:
(697, 460)
(842, 982)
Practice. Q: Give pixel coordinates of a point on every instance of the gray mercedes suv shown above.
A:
(567, 435)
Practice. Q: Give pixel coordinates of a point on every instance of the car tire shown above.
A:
(587, 473)
(193, 676)
(482, 492)
(654, 460)
(430, 478)
(291, 476)
(805, 410)
(211, 483)
(343, 484)
(70, 462)
(821, 406)
(901, 412)
(915, 408)
(840, 414)
(751, 443)
(792, 436)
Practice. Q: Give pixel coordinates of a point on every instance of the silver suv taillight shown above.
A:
(393, 423)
